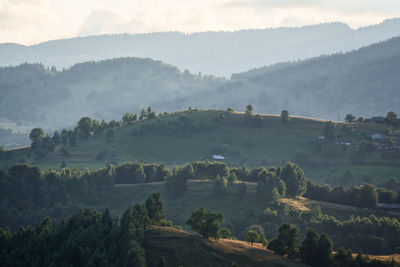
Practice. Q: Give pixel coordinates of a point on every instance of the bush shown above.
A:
(205, 222)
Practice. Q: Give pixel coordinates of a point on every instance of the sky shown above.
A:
(33, 21)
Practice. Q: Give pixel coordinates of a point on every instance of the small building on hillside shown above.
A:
(378, 137)
(384, 145)
(218, 157)
(345, 142)
(381, 142)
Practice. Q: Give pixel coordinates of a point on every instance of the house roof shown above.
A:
(378, 136)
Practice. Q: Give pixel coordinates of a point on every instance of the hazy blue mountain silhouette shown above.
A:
(218, 53)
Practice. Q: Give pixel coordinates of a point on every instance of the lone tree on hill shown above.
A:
(249, 109)
(205, 222)
(391, 118)
(252, 237)
(349, 118)
(285, 116)
(35, 136)
(85, 125)
(224, 233)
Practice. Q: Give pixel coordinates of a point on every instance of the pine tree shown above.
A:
(308, 248)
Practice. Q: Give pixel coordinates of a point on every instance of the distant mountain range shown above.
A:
(363, 82)
(218, 53)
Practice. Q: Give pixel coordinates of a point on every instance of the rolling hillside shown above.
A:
(34, 95)
(182, 248)
(239, 213)
(363, 82)
(181, 137)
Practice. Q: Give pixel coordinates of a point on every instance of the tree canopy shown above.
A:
(205, 222)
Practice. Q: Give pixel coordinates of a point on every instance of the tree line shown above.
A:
(44, 188)
(317, 250)
(364, 196)
(28, 192)
(88, 238)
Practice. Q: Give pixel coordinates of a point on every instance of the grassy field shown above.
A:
(240, 141)
(185, 249)
(179, 209)
(238, 213)
(376, 174)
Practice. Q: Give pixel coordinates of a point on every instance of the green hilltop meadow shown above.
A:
(243, 139)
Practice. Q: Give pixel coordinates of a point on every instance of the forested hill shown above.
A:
(209, 52)
(363, 82)
(37, 95)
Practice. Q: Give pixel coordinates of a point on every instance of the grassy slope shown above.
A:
(178, 209)
(237, 213)
(185, 249)
(274, 143)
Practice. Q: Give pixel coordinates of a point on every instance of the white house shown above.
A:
(378, 137)
(218, 157)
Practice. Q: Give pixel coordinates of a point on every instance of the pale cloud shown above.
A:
(33, 21)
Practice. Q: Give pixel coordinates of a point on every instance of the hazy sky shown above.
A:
(33, 21)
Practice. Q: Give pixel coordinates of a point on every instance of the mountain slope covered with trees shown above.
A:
(363, 82)
(36, 95)
(243, 139)
(253, 205)
(209, 52)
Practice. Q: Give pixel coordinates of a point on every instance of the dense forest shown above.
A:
(32, 93)
(28, 193)
(361, 82)
(89, 238)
